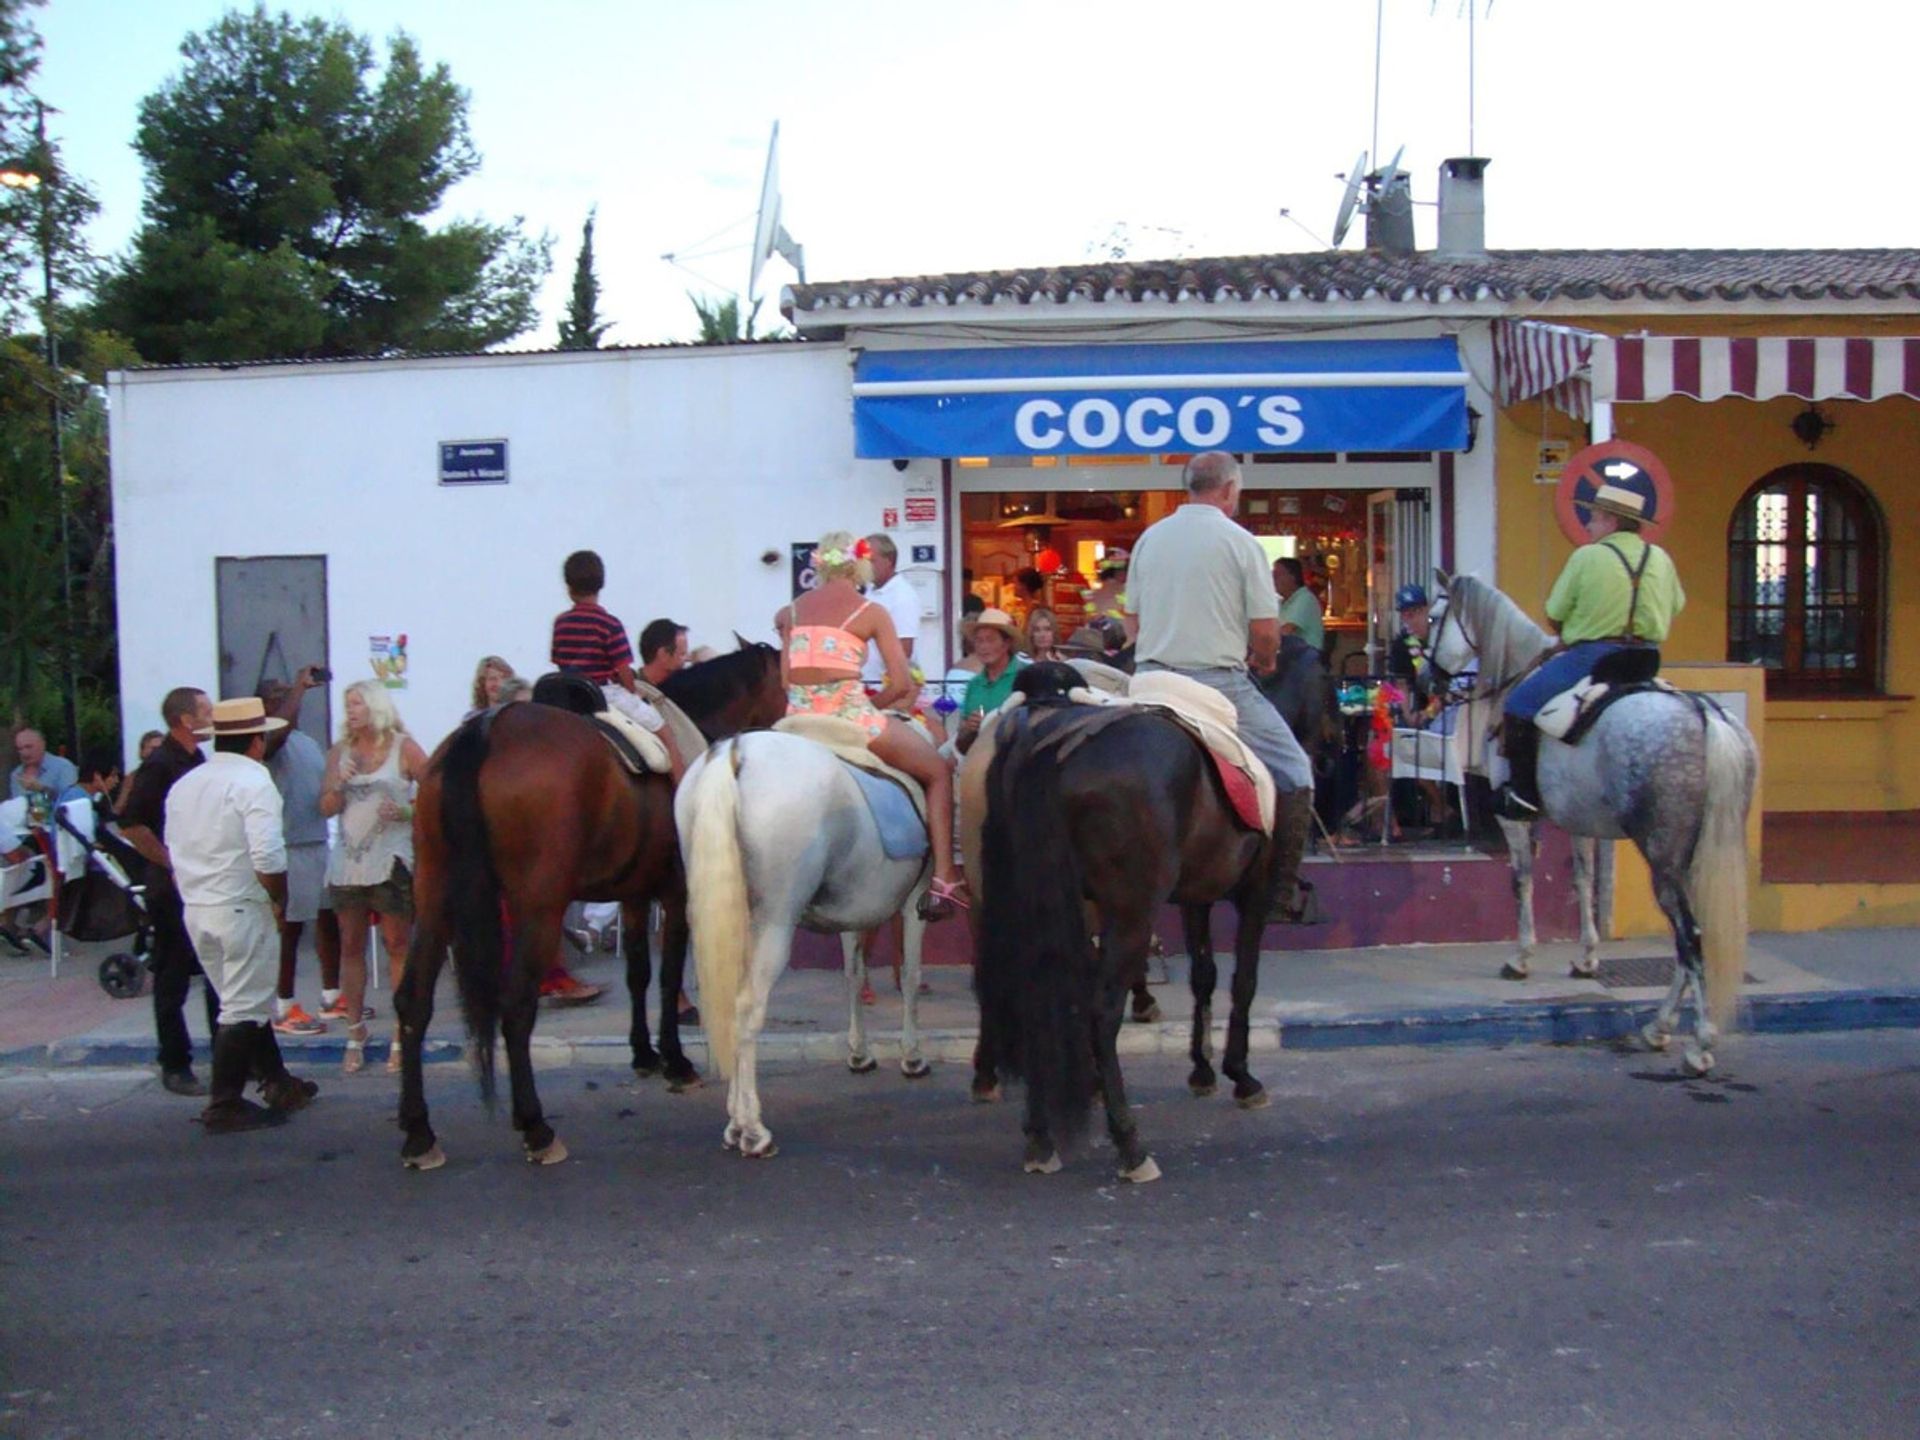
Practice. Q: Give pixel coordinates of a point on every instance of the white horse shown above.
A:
(777, 835)
(1671, 773)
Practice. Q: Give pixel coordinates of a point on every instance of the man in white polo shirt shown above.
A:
(230, 865)
(895, 594)
(1200, 587)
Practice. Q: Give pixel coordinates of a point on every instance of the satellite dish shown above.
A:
(1391, 168)
(770, 237)
(1349, 200)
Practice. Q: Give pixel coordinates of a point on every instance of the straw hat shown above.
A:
(245, 716)
(1618, 500)
(992, 619)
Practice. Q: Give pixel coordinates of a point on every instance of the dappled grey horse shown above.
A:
(1672, 773)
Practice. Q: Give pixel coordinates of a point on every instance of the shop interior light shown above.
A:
(973, 462)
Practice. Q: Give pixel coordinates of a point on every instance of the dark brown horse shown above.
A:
(1132, 817)
(524, 810)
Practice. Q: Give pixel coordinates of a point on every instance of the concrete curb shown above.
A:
(1564, 1022)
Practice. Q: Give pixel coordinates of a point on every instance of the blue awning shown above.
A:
(1307, 395)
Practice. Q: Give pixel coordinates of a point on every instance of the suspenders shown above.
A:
(1634, 572)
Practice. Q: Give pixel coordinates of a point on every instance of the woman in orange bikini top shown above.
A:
(825, 634)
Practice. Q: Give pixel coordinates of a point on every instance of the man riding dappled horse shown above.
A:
(1612, 608)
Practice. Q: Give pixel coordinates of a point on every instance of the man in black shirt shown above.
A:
(187, 714)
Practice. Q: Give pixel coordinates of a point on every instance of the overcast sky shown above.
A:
(919, 138)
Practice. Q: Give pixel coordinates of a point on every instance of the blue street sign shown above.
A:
(473, 462)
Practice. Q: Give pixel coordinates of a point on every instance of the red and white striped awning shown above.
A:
(1575, 369)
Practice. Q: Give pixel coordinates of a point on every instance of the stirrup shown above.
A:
(1515, 806)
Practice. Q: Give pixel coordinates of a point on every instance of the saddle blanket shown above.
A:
(1571, 713)
(894, 798)
(637, 748)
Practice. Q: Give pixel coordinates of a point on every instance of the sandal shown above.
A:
(355, 1058)
(393, 1055)
(942, 901)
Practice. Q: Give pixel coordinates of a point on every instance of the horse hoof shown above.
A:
(681, 1084)
(430, 1159)
(1143, 1173)
(1511, 971)
(1200, 1089)
(1148, 1016)
(1584, 972)
(765, 1151)
(555, 1152)
(1697, 1065)
(646, 1069)
(862, 1064)
(1258, 1100)
(916, 1068)
(985, 1095)
(1653, 1039)
(1048, 1166)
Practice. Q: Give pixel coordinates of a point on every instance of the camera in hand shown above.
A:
(321, 674)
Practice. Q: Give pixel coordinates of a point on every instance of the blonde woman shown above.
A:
(826, 634)
(1043, 635)
(488, 676)
(369, 785)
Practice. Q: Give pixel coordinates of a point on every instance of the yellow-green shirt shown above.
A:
(1591, 598)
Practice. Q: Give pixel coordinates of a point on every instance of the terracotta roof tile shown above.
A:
(1509, 276)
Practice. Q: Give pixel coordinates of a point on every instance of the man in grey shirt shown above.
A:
(1201, 588)
(298, 765)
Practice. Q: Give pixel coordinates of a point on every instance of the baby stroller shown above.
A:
(103, 902)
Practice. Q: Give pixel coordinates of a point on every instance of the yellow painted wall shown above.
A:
(1825, 755)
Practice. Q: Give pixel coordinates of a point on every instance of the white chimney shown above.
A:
(1463, 206)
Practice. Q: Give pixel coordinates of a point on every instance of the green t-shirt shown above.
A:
(986, 695)
(1591, 598)
(1302, 611)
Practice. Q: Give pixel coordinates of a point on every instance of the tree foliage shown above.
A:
(289, 182)
(721, 321)
(581, 327)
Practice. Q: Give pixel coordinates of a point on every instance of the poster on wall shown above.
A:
(388, 654)
(803, 577)
(920, 502)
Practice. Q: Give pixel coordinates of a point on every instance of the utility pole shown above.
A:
(56, 420)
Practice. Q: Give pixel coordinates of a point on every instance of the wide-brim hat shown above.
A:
(992, 619)
(245, 716)
(1618, 500)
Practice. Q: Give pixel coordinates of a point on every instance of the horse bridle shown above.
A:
(1482, 690)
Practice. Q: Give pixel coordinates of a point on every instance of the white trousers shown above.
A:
(632, 706)
(239, 948)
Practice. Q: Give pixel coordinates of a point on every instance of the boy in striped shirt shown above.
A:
(589, 641)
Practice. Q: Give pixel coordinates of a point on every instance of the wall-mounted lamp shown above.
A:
(1473, 428)
(1810, 426)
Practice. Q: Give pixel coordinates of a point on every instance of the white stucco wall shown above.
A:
(679, 466)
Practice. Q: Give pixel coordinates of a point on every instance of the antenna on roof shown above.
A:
(770, 237)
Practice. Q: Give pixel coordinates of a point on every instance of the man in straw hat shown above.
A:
(229, 857)
(1618, 592)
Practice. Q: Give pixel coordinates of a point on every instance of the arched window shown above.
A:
(1804, 562)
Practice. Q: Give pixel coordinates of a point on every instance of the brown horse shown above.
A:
(524, 810)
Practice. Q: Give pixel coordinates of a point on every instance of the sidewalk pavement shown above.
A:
(1834, 980)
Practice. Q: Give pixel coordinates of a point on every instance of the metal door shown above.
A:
(273, 621)
(1399, 552)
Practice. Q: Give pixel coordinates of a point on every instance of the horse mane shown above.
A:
(702, 690)
(1505, 638)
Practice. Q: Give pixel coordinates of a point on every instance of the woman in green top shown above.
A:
(995, 639)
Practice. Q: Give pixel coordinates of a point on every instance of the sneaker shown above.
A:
(338, 1011)
(297, 1022)
(560, 988)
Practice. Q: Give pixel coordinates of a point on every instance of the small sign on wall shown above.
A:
(473, 462)
(388, 655)
(1552, 460)
(889, 518)
(803, 577)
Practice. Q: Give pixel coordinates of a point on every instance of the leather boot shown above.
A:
(1292, 826)
(282, 1090)
(1520, 796)
(228, 1110)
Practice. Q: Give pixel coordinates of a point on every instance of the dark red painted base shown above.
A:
(1399, 896)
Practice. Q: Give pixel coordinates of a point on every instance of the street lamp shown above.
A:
(36, 174)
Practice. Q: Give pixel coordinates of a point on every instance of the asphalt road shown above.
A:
(1409, 1242)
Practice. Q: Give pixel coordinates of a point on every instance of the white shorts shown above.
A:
(633, 707)
(306, 882)
(239, 948)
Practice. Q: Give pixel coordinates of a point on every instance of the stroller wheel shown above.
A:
(122, 976)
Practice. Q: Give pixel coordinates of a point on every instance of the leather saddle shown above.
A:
(1568, 716)
(638, 751)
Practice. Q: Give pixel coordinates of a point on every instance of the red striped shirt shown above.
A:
(589, 640)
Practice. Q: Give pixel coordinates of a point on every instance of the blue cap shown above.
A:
(1408, 596)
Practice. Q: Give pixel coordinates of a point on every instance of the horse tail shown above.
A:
(1718, 880)
(717, 906)
(473, 894)
(1033, 963)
